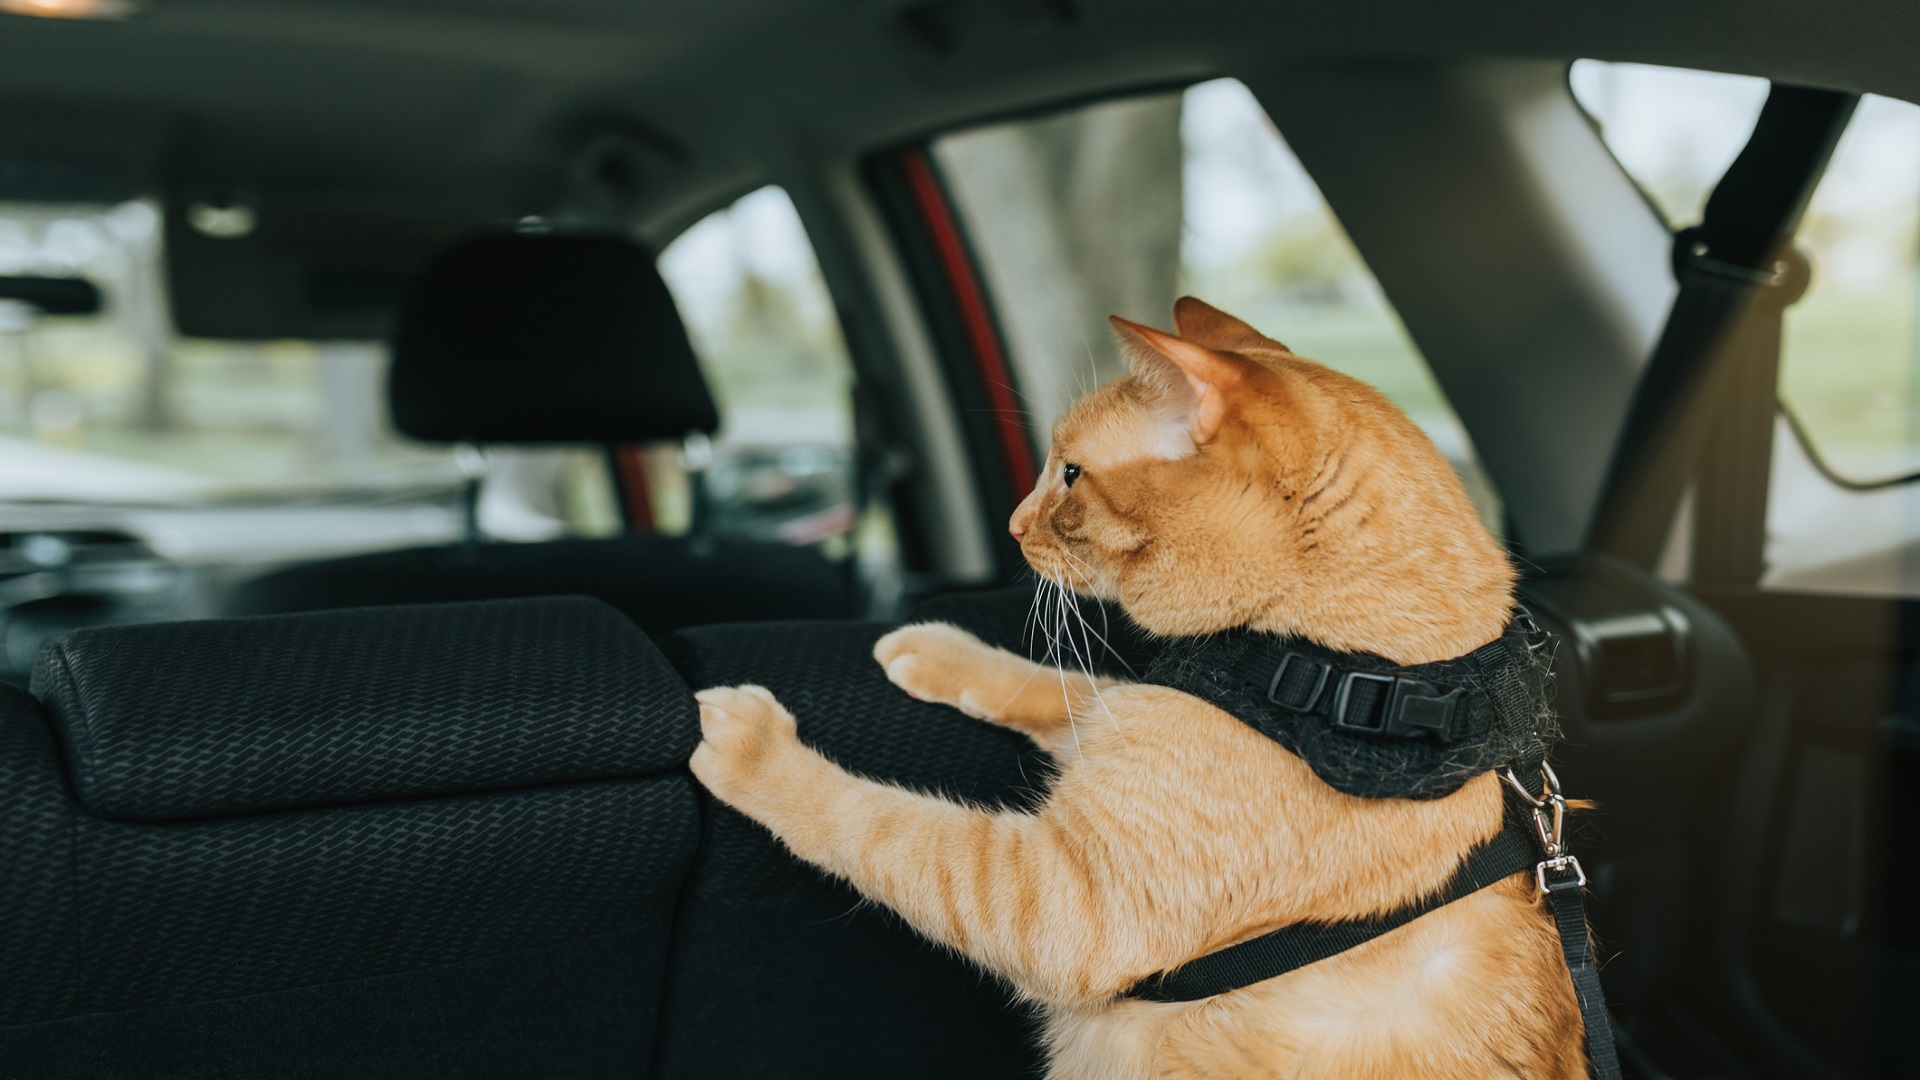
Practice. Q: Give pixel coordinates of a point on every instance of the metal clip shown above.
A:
(1557, 864)
(1550, 784)
(1550, 834)
(1549, 823)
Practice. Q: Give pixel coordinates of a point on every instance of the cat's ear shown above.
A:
(1204, 381)
(1197, 320)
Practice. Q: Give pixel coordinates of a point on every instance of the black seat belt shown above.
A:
(1717, 357)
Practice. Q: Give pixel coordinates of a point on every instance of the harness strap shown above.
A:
(1370, 727)
(1512, 851)
(1516, 849)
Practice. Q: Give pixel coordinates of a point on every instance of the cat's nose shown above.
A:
(1014, 530)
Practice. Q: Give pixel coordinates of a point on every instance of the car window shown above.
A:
(1122, 206)
(763, 325)
(114, 407)
(113, 412)
(1838, 516)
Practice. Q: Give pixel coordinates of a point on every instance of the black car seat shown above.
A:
(438, 841)
(533, 339)
(779, 971)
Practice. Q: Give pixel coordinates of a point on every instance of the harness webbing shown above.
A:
(1370, 727)
(1513, 850)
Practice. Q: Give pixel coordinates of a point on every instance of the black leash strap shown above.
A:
(1733, 286)
(1559, 877)
(1530, 841)
(1570, 916)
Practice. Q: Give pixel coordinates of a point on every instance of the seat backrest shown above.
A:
(833, 986)
(661, 583)
(399, 842)
(531, 338)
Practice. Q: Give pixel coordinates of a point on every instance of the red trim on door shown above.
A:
(636, 489)
(1010, 420)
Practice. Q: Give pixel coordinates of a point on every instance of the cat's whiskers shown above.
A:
(1056, 656)
(1106, 627)
(1084, 661)
(1051, 657)
(1030, 629)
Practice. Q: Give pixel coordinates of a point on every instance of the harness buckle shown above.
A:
(1296, 674)
(1395, 706)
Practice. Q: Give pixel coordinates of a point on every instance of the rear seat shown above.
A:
(834, 986)
(460, 840)
(426, 841)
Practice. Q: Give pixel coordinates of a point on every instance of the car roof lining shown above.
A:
(485, 107)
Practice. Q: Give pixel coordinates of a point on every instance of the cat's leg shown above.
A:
(941, 662)
(1019, 893)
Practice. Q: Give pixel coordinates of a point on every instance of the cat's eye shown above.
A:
(1070, 472)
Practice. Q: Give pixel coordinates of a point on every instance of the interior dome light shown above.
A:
(71, 9)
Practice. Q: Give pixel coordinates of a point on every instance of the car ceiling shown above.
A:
(649, 109)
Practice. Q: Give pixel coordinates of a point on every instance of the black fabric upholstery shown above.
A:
(249, 905)
(579, 1010)
(661, 583)
(779, 971)
(527, 338)
(191, 719)
(517, 926)
(39, 924)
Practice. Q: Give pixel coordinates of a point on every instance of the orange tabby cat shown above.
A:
(1224, 482)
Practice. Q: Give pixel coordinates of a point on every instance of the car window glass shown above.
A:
(114, 410)
(1850, 424)
(762, 322)
(1673, 130)
(1122, 206)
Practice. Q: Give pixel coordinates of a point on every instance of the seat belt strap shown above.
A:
(1724, 266)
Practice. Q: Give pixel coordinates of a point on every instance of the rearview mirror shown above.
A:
(52, 295)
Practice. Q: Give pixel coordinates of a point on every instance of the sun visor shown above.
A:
(240, 272)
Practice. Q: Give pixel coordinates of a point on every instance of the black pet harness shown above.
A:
(1376, 729)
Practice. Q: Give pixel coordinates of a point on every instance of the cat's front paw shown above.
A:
(744, 734)
(937, 662)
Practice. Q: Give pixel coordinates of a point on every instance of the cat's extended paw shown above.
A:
(744, 730)
(938, 662)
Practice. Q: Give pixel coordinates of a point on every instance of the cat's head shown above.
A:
(1225, 481)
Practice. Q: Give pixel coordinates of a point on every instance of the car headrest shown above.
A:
(165, 721)
(537, 339)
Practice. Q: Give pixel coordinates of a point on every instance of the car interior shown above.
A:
(406, 405)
